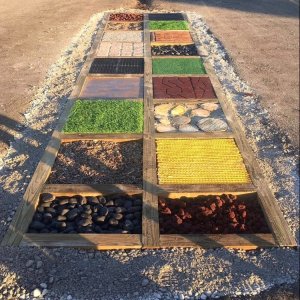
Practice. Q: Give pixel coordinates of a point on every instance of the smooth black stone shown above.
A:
(113, 222)
(129, 216)
(134, 209)
(118, 216)
(120, 210)
(51, 210)
(111, 209)
(85, 216)
(84, 222)
(71, 206)
(73, 201)
(63, 201)
(81, 200)
(128, 225)
(47, 197)
(60, 225)
(63, 211)
(103, 211)
(110, 203)
(38, 217)
(119, 202)
(46, 204)
(40, 209)
(72, 214)
(92, 200)
(37, 225)
(100, 219)
(47, 218)
(102, 200)
(137, 202)
(61, 218)
(127, 204)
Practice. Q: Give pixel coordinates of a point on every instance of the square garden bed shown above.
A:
(117, 66)
(173, 50)
(178, 66)
(212, 214)
(168, 25)
(126, 17)
(112, 88)
(124, 26)
(183, 88)
(104, 214)
(189, 161)
(98, 162)
(120, 49)
(172, 37)
(196, 117)
(102, 116)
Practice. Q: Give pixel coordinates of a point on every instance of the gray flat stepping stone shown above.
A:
(212, 125)
(124, 36)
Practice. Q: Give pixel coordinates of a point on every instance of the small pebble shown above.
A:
(36, 293)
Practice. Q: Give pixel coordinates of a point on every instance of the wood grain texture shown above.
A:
(91, 241)
(235, 241)
(120, 137)
(150, 236)
(90, 189)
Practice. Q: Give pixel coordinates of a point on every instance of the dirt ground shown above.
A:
(261, 37)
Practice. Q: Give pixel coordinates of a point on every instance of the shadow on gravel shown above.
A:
(282, 8)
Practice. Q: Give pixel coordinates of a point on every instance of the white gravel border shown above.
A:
(149, 274)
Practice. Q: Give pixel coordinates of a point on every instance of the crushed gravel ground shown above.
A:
(150, 274)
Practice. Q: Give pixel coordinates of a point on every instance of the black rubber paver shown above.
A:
(117, 66)
(165, 17)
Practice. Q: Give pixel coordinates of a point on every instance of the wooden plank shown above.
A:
(90, 189)
(118, 137)
(236, 241)
(271, 209)
(193, 135)
(94, 241)
(185, 101)
(30, 199)
(150, 236)
(166, 189)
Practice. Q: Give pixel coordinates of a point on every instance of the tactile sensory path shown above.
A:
(147, 154)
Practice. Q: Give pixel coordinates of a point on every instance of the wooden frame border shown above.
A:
(150, 237)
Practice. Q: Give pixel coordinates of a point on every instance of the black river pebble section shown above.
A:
(117, 66)
(166, 17)
(88, 214)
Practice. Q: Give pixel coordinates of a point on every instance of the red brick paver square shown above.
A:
(183, 88)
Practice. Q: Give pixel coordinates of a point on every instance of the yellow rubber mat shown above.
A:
(213, 161)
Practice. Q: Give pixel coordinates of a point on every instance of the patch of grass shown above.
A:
(105, 116)
(178, 66)
(169, 25)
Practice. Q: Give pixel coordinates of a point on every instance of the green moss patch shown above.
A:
(169, 25)
(178, 66)
(106, 116)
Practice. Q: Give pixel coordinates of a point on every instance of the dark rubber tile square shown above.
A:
(165, 17)
(183, 88)
(112, 88)
(117, 66)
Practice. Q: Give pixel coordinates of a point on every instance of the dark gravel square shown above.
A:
(165, 17)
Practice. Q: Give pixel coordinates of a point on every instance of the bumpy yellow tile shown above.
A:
(213, 161)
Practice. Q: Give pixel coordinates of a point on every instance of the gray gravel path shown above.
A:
(160, 274)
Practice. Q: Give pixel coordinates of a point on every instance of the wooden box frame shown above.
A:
(150, 238)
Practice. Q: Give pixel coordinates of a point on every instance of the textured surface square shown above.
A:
(162, 17)
(124, 26)
(171, 37)
(126, 17)
(174, 50)
(183, 88)
(120, 49)
(112, 88)
(178, 66)
(117, 66)
(123, 36)
(214, 161)
(168, 25)
(113, 116)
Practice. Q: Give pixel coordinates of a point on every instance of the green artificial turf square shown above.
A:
(105, 116)
(169, 25)
(178, 66)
